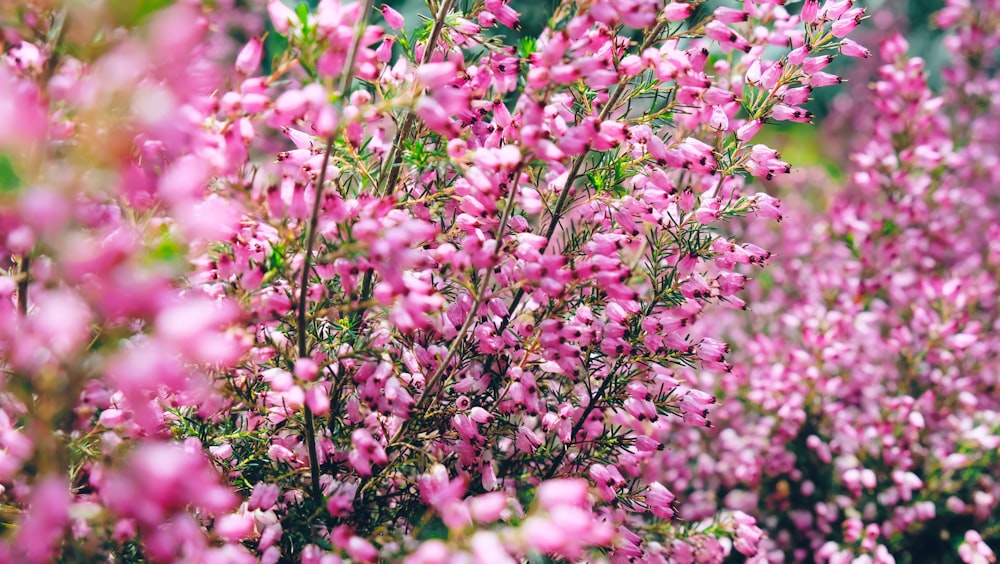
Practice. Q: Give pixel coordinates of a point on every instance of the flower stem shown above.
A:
(391, 170)
(432, 388)
(22, 285)
(301, 320)
(574, 173)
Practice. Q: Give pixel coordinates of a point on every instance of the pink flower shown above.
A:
(282, 17)
(848, 22)
(436, 75)
(659, 500)
(306, 369)
(748, 535)
(677, 11)
(513, 272)
(392, 18)
(563, 492)
(366, 450)
(810, 9)
(853, 49)
(264, 496)
(728, 15)
(487, 508)
(249, 58)
(235, 526)
(974, 551)
(43, 525)
(62, 320)
(748, 130)
(361, 550)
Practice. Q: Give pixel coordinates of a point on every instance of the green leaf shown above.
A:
(276, 260)
(302, 11)
(168, 250)
(274, 47)
(889, 228)
(526, 46)
(535, 557)
(423, 33)
(849, 239)
(130, 13)
(595, 181)
(9, 180)
(526, 496)
(764, 279)
(434, 529)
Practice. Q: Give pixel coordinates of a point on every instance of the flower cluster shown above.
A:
(361, 293)
(861, 418)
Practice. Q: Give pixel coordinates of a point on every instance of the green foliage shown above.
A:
(9, 179)
(129, 13)
(434, 528)
(167, 249)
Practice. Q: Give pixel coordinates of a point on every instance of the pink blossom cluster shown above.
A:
(354, 293)
(861, 420)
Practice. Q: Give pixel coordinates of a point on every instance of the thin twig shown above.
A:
(574, 173)
(303, 347)
(435, 381)
(597, 396)
(391, 170)
(432, 383)
(22, 285)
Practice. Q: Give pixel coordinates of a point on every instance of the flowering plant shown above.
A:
(379, 294)
(861, 422)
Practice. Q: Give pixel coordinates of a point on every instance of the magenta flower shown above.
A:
(445, 286)
(248, 60)
(392, 18)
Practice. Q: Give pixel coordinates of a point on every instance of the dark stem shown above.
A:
(301, 317)
(394, 156)
(435, 385)
(557, 215)
(303, 347)
(597, 396)
(22, 285)
(358, 314)
(574, 173)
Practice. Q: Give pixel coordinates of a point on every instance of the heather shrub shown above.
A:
(860, 421)
(342, 292)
